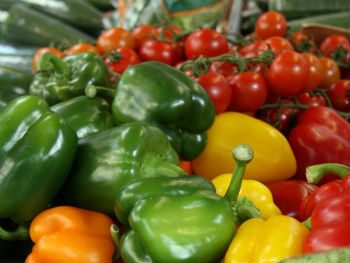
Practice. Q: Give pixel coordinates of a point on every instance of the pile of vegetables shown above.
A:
(164, 145)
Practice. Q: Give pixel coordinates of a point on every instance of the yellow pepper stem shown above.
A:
(242, 154)
(315, 173)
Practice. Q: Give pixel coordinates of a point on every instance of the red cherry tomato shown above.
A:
(249, 91)
(168, 31)
(141, 33)
(330, 72)
(80, 48)
(270, 24)
(121, 58)
(307, 99)
(114, 37)
(206, 42)
(276, 44)
(287, 74)
(334, 42)
(225, 68)
(163, 51)
(218, 89)
(315, 72)
(339, 94)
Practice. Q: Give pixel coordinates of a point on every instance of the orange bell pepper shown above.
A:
(69, 234)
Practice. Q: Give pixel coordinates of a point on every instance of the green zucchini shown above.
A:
(20, 50)
(301, 8)
(25, 25)
(339, 19)
(103, 5)
(16, 62)
(13, 83)
(332, 256)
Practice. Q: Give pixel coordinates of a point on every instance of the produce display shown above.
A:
(170, 144)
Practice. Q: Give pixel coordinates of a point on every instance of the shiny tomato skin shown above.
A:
(305, 98)
(80, 48)
(207, 42)
(333, 42)
(339, 94)
(126, 57)
(314, 75)
(287, 74)
(330, 72)
(141, 33)
(218, 89)
(167, 52)
(249, 91)
(276, 44)
(270, 24)
(114, 37)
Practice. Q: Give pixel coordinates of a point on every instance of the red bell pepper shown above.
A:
(320, 136)
(329, 207)
(289, 194)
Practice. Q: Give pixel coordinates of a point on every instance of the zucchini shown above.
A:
(301, 8)
(332, 256)
(339, 19)
(21, 50)
(103, 5)
(16, 62)
(13, 83)
(25, 25)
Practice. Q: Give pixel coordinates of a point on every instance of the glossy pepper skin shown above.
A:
(85, 115)
(37, 149)
(255, 191)
(61, 230)
(318, 132)
(269, 241)
(107, 160)
(180, 219)
(162, 95)
(273, 156)
(330, 209)
(61, 79)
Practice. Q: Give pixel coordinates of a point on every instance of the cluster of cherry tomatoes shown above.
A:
(301, 74)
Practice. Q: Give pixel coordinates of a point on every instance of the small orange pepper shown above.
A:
(70, 234)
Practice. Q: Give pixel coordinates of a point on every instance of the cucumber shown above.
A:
(301, 8)
(25, 25)
(13, 83)
(103, 5)
(21, 50)
(332, 256)
(16, 62)
(339, 19)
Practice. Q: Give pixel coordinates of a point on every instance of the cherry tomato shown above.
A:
(206, 42)
(80, 48)
(330, 72)
(41, 51)
(114, 37)
(141, 33)
(339, 94)
(276, 44)
(249, 91)
(225, 68)
(332, 43)
(251, 47)
(287, 74)
(270, 24)
(283, 118)
(168, 31)
(315, 72)
(163, 51)
(120, 59)
(306, 98)
(218, 89)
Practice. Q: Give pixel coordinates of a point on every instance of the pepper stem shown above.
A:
(115, 232)
(242, 154)
(315, 173)
(21, 233)
(93, 90)
(48, 60)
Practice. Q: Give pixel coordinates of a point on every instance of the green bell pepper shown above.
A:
(181, 219)
(107, 160)
(85, 115)
(159, 94)
(61, 79)
(37, 149)
(14, 83)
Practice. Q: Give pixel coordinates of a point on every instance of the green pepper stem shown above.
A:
(93, 90)
(115, 233)
(21, 233)
(315, 173)
(48, 60)
(242, 154)
(307, 223)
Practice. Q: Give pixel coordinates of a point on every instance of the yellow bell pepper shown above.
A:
(259, 241)
(273, 156)
(255, 191)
